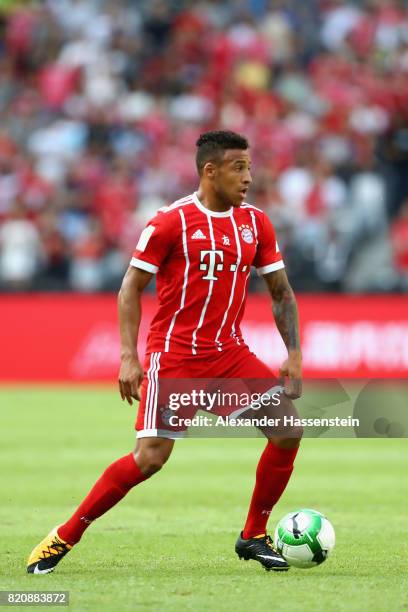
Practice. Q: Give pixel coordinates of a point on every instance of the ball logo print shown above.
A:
(304, 538)
(296, 531)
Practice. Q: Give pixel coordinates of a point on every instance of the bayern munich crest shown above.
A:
(246, 234)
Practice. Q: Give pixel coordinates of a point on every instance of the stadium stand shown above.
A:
(101, 104)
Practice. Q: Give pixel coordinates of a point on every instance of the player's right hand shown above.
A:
(130, 379)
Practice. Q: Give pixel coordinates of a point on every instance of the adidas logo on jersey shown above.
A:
(198, 235)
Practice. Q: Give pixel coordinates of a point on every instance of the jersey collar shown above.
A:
(211, 213)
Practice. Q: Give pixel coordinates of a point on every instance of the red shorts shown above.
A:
(161, 369)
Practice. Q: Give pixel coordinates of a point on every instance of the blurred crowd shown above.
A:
(101, 103)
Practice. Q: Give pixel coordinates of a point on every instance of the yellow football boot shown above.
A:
(47, 554)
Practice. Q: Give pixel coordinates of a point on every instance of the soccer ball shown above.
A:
(304, 538)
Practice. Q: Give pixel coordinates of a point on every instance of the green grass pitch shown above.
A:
(170, 544)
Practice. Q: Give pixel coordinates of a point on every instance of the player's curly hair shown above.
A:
(211, 146)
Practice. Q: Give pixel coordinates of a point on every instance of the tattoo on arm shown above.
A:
(284, 308)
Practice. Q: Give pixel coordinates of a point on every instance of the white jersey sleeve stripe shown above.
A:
(273, 267)
(144, 265)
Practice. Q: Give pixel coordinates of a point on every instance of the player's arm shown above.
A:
(152, 248)
(130, 311)
(287, 321)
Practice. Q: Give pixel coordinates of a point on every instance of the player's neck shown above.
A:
(212, 201)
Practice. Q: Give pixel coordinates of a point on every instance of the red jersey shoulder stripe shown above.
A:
(176, 204)
(246, 205)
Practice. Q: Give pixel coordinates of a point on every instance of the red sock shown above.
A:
(272, 475)
(112, 486)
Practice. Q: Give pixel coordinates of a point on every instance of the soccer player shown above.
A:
(202, 248)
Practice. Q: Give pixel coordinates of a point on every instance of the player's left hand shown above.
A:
(291, 374)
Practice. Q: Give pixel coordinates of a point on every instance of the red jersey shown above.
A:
(203, 260)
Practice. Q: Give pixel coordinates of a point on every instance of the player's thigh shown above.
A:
(156, 366)
(240, 362)
(273, 413)
(240, 365)
(163, 373)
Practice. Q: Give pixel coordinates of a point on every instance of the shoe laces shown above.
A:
(57, 547)
(269, 542)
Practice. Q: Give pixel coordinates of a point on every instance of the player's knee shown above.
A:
(150, 461)
(291, 442)
(152, 453)
(153, 465)
(296, 435)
